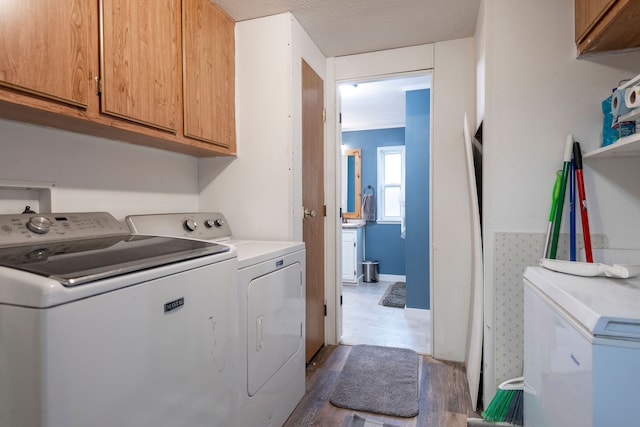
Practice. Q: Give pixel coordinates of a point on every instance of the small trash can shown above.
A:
(370, 271)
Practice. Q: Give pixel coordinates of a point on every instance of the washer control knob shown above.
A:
(218, 222)
(39, 224)
(190, 225)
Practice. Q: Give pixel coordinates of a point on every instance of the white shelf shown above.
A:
(629, 146)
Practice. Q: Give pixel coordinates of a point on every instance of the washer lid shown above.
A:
(606, 307)
(78, 262)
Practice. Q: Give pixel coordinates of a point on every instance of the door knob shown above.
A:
(309, 213)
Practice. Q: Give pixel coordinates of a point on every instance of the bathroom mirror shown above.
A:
(351, 184)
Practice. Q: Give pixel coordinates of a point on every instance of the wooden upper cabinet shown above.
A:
(44, 48)
(606, 25)
(114, 69)
(208, 73)
(140, 61)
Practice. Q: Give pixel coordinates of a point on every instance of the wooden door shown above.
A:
(208, 73)
(313, 204)
(45, 48)
(140, 61)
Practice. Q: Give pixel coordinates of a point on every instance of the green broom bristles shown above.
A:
(506, 405)
(499, 405)
(515, 413)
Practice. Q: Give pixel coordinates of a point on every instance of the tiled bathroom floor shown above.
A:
(364, 321)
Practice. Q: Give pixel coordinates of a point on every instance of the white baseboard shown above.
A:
(417, 314)
(392, 278)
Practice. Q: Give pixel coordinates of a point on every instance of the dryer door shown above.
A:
(275, 323)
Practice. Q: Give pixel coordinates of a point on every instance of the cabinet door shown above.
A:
(587, 14)
(349, 257)
(45, 48)
(208, 73)
(606, 25)
(140, 61)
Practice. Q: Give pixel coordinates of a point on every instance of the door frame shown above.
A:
(333, 329)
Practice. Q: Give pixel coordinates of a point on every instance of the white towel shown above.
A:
(368, 207)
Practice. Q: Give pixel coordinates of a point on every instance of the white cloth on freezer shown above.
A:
(368, 207)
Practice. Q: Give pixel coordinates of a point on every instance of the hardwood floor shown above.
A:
(365, 321)
(444, 396)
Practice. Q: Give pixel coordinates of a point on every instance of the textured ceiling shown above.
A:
(346, 27)
(378, 104)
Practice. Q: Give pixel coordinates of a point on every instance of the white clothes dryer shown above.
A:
(271, 318)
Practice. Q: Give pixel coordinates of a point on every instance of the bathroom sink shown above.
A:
(353, 223)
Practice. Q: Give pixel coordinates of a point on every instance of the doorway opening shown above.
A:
(384, 136)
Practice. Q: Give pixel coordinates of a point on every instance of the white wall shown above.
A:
(262, 189)
(94, 174)
(480, 55)
(537, 92)
(453, 94)
(256, 189)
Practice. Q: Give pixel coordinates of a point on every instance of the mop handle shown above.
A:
(577, 157)
(563, 185)
(552, 214)
(572, 211)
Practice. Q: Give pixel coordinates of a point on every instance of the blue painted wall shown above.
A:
(417, 198)
(382, 241)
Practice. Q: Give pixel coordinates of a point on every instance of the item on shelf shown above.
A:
(625, 128)
(632, 97)
(627, 119)
(619, 109)
(609, 134)
(618, 106)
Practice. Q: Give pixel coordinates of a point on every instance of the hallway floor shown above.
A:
(364, 321)
(443, 394)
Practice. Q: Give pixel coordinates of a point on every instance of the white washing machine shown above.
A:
(93, 322)
(271, 296)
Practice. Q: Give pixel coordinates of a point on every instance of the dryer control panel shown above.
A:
(196, 225)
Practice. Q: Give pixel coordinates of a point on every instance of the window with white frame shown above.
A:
(390, 183)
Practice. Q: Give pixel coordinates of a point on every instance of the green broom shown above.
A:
(506, 405)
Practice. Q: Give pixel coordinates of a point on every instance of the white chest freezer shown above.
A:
(582, 350)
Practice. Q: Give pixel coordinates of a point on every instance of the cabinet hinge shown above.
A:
(324, 210)
(324, 115)
(340, 299)
(98, 86)
(325, 310)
